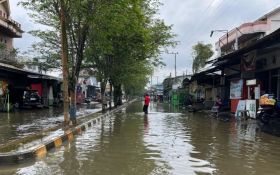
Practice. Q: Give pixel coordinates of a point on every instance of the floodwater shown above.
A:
(166, 141)
(25, 122)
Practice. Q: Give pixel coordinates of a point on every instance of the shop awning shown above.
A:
(9, 69)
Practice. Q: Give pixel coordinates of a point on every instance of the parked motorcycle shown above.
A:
(269, 109)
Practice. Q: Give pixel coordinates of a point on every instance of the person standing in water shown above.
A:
(146, 103)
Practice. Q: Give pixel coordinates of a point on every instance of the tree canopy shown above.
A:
(120, 40)
(201, 52)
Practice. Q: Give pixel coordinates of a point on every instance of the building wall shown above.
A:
(268, 61)
(4, 11)
(273, 22)
(8, 41)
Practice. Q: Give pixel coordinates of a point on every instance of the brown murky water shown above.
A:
(163, 142)
(24, 122)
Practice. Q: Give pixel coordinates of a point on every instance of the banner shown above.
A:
(248, 62)
(241, 106)
(251, 107)
(236, 88)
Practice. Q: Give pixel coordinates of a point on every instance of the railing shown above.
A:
(8, 57)
(11, 23)
(15, 23)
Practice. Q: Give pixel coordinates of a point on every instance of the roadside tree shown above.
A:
(68, 23)
(201, 52)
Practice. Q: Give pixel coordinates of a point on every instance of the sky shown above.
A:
(192, 21)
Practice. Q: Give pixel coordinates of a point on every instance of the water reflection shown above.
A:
(22, 123)
(163, 142)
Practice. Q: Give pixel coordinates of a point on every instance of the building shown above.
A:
(9, 28)
(249, 61)
(17, 81)
(247, 33)
(14, 81)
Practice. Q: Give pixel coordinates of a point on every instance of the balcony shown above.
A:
(243, 33)
(9, 57)
(10, 28)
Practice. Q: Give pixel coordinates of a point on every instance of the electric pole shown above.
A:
(175, 54)
(64, 62)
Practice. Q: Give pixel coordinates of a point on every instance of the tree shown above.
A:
(126, 43)
(116, 39)
(70, 20)
(201, 52)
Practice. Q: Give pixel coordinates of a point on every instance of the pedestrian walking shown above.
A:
(146, 103)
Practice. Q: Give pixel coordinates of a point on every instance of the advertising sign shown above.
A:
(257, 92)
(251, 107)
(251, 82)
(241, 106)
(236, 89)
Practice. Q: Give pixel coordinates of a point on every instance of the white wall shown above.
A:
(273, 22)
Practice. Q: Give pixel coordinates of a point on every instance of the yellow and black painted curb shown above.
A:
(41, 150)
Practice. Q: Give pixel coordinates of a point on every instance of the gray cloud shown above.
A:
(192, 19)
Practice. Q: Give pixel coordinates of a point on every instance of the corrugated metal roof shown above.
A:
(19, 70)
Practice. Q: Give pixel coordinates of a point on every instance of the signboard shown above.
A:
(251, 82)
(257, 92)
(175, 86)
(241, 105)
(251, 107)
(236, 89)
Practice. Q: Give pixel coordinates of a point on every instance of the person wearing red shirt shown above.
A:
(146, 103)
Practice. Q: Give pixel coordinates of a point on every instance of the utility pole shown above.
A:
(157, 79)
(175, 54)
(64, 62)
(224, 31)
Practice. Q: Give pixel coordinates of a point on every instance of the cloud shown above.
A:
(193, 20)
(20, 15)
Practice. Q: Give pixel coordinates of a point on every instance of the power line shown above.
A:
(198, 25)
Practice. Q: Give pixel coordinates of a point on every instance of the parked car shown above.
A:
(31, 98)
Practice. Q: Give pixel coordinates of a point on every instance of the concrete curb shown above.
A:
(41, 150)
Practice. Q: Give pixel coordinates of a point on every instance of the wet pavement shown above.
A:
(166, 141)
(25, 122)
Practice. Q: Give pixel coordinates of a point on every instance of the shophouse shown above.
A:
(14, 80)
(249, 61)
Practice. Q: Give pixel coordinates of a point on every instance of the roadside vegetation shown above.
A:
(118, 41)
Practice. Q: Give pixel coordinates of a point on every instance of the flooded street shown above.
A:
(25, 122)
(166, 141)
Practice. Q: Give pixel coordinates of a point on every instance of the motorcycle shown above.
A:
(269, 109)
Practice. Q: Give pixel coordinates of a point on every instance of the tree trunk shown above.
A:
(103, 86)
(117, 95)
(64, 62)
(110, 103)
(73, 108)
